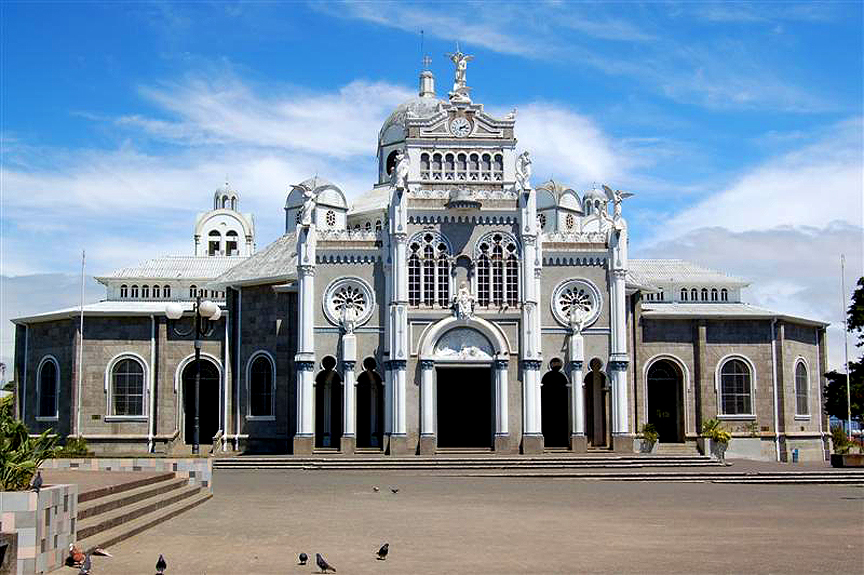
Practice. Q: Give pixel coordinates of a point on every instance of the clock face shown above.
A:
(460, 127)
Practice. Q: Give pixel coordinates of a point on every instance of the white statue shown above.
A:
(576, 318)
(463, 302)
(460, 87)
(523, 171)
(399, 177)
(308, 207)
(349, 317)
(617, 196)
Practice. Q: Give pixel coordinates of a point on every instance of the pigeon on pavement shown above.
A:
(394, 489)
(323, 565)
(303, 558)
(375, 488)
(37, 482)
(161, 565)
(382, 553)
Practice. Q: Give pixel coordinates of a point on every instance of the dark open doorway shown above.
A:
(665, 398)
(596, 406)
(370, 406)
(208, 405)
(328, 405)
(464, 407)
(554, 402)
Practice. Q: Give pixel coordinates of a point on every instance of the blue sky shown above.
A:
(737, 125)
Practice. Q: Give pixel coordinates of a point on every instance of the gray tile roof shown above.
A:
(671, 271)
(105, 308)
(177, 267)
(275, 263)
(716, 310)
(376, 199)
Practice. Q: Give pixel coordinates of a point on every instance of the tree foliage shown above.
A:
(20, 454)
(835, 389)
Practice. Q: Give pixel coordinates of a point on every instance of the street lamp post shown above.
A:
(210, 312)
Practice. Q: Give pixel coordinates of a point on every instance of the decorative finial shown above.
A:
(426, 61)
(460, 87)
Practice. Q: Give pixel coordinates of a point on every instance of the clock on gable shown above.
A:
(460, 127)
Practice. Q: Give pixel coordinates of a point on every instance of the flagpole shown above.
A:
(845, 340)
(80, 353)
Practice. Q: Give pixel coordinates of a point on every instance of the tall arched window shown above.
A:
(134, 292)
(49, 388)
(724, 295)
(736, 388)
(232, 241)
(714, 294)
(497, 256)
(156, 292)
(214, 243)
(167, 291)
(127, 388)
(124, 291)
(262, 385)
(145, 291)
(193, 291)
(704, 294)
(429, 270)
(683, 294)
(694, 294)
(802, 390)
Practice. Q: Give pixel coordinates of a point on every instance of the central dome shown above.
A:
(393, 129)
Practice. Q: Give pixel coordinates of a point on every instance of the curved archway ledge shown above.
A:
(495, 346)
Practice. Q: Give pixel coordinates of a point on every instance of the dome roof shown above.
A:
(225, 190)
(417, 107)
(594, 193)
(326, 193)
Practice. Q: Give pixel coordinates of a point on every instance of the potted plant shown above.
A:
(842, 456)
(718, 438)
(649, 438)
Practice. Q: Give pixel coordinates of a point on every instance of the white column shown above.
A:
(305, 358)
(305, 422)
(399, 423)
(530, 397)
(388, 398)
(577, 398)
(349, 399)
(502, 394)
(618, 361)
(427, 398)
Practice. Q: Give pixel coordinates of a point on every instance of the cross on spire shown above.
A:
(426, 61)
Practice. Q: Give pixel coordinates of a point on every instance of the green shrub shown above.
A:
(752, 428)
(73, 447)
(649, 432)
(714, 431)
(841, 442)
(20, 454)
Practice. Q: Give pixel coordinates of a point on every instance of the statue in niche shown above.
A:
(400, 171)
(463, 302)
(308, 207)
(617, 197)
(460, 86)
(349, 317)
(523, 171)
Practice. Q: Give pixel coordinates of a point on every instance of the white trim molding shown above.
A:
(56, 363)
(718, 388)
(685, 374)
(108, 387)
(799, 360)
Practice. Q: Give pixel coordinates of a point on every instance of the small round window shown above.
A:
(331, 218)
(569, 221)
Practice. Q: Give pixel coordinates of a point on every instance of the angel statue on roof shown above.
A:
(399, 177)
(308, 207)
(616, 196)
(523, 171)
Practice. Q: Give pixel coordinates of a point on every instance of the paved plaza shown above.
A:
(259, 520)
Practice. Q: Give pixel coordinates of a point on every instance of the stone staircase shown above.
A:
(108, 516)
(677, 449)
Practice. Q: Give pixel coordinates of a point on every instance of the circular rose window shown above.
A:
(569, 221)
(331, 218)
(352, 293)
(576, 297)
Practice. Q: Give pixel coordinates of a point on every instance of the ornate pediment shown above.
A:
(464, 343)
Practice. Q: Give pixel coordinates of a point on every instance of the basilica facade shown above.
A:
(455, 305)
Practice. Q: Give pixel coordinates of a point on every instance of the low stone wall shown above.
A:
(44, 524)
(198, 470)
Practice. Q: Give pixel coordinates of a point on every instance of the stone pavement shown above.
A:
(259, 520)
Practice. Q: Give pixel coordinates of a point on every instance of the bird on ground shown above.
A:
(161, 565)
(375, 488)
(303, 558)
(85, 566)
(37, 482)
(382, 553)
(394, 489)
(323, 565)
(76, 556)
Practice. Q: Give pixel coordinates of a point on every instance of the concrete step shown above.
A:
(126, 513)
(110, 490)
(677, 449)
(113, 535)
(123, 498)
(791, 477)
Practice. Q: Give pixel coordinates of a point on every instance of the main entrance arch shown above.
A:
(665, 384)
(208, 405)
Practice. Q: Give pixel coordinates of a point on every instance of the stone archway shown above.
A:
(665, 384)
(208, 404)
(554, 400)
(597, 406)
(328, 405)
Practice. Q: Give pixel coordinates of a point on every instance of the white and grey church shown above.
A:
(454, 305)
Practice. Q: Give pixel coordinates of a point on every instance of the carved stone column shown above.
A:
(622, 438)
(532, 433)
(578, 440)
(349, 405)
(398, 436)
(502, 407)
(428, 441)
(304, 360)
(304, 439)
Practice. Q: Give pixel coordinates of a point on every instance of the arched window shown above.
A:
(193, 291)
(498, 167)
(262, 384)
(231, 243)
(134, 292)
(724, 295)
(802, 390)
(660, 296)
(429, 270)
(378, 225)
(704, 294)
(424, 166)
(124, 291)
(233, 203)
(214, 244)
(156, 292)
(736, 388)
(166, 291)
(694, 294)
(127, 388)
(49, 387)
(683, 294)
(145, 291)
(714, 294)
(368, 226)
(391, 162)
(497, 256)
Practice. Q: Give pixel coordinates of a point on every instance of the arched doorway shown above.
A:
(328, 404)
(596, 406)
(554, 406)
(370, 406)
(665, 400)
(208, 405)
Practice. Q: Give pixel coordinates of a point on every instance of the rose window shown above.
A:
(352, 293)
(331, 218)
(569, 221)
(576, 296)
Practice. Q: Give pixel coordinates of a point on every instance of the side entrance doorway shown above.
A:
(665, 400)
(208, 405)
